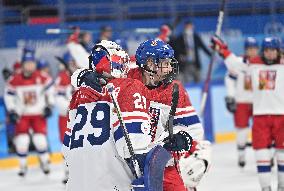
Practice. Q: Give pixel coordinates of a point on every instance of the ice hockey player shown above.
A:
(29, 102)
(268, 112)
(156, 69)
(157, 57)
(239, 98)
(95, 148)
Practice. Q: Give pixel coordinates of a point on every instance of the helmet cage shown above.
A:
(117, 60)
(161, 64)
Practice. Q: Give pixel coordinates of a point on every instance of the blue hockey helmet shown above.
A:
(42, 64)
(28, 56)
(28, 48)
(250, 42)
(155, 49)
(270, 42)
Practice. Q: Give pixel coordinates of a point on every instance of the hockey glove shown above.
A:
(91, 79)
(13, 117)
(220, 46)
(193, 168)
(6, 73)
(47, 112)
(181, 142)
(230, 104)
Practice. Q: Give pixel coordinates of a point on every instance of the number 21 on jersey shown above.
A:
(140, 101)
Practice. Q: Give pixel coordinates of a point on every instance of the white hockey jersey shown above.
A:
(94, 147)
(267, 84)
(239, 85)
(29, 96)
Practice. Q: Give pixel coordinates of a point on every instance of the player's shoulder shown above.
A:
(127, 83)
(182, 90)
(256, 60)
(163, 94)
(135, 73)
(84, 95)
(15, 79)
(184, 98)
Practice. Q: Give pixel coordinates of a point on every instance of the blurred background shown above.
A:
(27, 22)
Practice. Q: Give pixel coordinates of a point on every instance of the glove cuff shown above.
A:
(226, 53)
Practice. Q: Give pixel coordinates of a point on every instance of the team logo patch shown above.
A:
(145, 128)
(30, 98)
(155, 116)
(154, 43)
(247, 82)
(267, 79)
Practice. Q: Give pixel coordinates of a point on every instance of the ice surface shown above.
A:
(224, 175)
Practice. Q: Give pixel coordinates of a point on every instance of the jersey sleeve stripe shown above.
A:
(11, 93)
(128, 118)
(189, 108)
(184, 112)
(61, 93)
(134, 128)
(191, 120)
(232, 76)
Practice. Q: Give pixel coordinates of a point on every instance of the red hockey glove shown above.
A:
(220, 46)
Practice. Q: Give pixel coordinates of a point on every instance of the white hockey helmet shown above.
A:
(109, 57)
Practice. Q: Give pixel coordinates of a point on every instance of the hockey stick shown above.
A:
(61, 60)
(170, 122)
(137, 172)
(212, 59)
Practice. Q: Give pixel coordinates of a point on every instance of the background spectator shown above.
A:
(186, 48)
(105, 34)
(86, 40)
